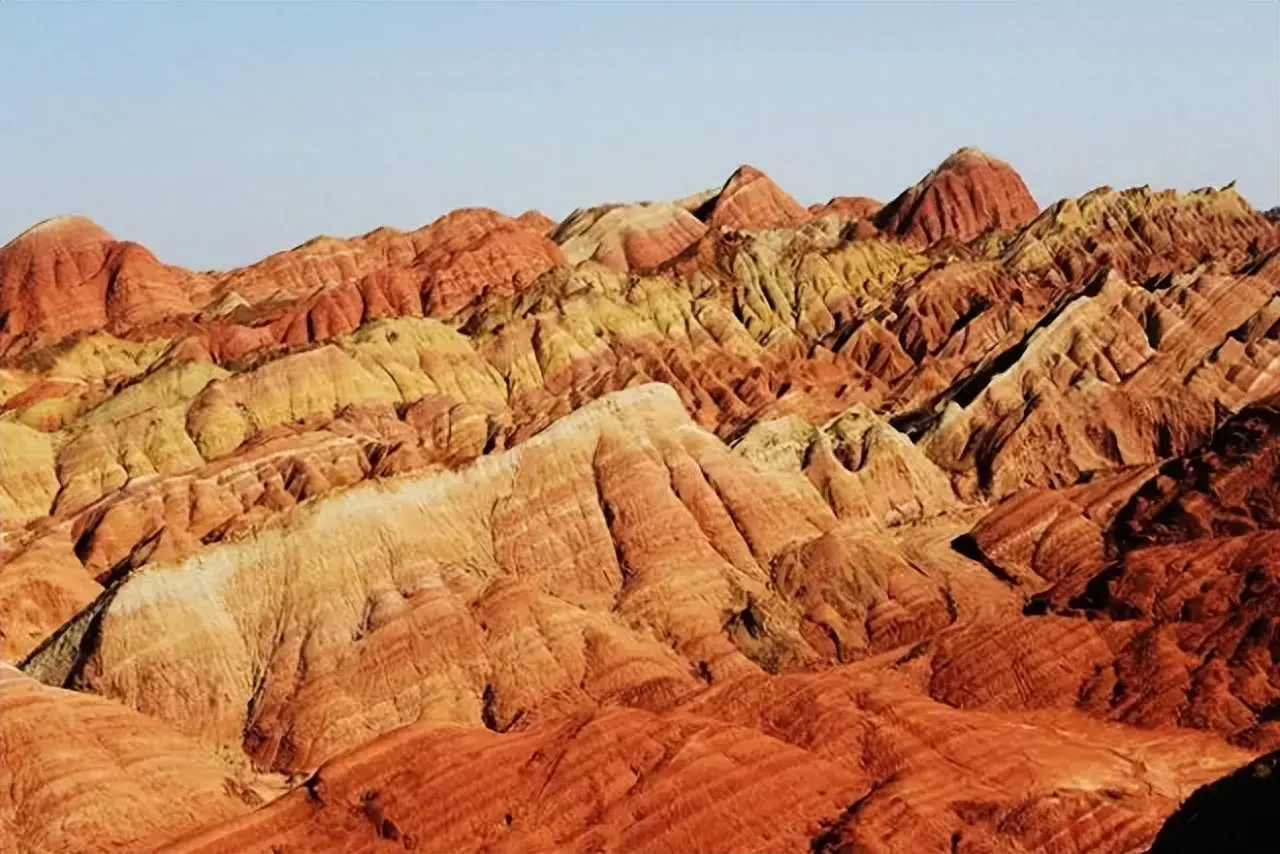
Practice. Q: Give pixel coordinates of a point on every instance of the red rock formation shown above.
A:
(802, 763)
(1123, 377)
(750, 200)
(969, 193)
(455, 259)
(68, 275)
(474, 252)
(538, 221)
(1174, 566)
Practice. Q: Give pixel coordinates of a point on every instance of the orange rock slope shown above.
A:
(721, 524)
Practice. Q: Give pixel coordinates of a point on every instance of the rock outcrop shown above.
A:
(827, 763)
(67, 275)
(628, 237)
(1165, 579)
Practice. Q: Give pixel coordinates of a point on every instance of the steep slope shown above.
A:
(662, 560)
(1121, 376)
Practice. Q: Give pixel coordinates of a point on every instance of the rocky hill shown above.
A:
(719, 524)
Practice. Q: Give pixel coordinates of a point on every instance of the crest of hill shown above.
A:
(68, 275)
(637, 236)
(750, 200)
(849, 207)
(967, 194)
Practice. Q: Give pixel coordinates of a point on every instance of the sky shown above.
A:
(216, 133)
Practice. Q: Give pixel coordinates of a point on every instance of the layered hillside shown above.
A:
(720, 524)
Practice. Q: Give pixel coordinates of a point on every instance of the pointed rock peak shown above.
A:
(750, 200)
(744, 173)
(969, 193)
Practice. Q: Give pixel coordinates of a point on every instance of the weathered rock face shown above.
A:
(969, 193)
(1120, 376)
(1164, 578)
(723, 525)
(68, 276)
(829, 762)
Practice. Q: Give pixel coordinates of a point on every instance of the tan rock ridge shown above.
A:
(1120, 377)
(655, 537)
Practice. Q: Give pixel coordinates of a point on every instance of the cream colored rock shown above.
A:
(28, 482)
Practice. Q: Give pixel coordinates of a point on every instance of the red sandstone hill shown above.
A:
(714, 525)
(750, 200)
(967, 194)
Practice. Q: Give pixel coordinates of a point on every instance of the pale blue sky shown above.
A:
(217, 133)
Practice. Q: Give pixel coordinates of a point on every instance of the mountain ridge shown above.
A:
(768, 522)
